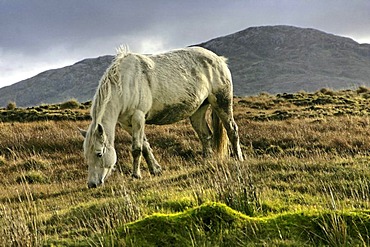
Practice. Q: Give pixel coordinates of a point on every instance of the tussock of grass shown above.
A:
(3, 161)
(35, 163)
(106, 214)
(33, 177)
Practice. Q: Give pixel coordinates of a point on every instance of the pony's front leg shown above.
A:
(138, 122)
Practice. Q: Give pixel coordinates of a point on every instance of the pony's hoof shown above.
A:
(156, 172)
(137, 176)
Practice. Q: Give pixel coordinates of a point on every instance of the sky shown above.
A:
(37, 35)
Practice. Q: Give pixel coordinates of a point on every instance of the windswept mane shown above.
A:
(104, 92)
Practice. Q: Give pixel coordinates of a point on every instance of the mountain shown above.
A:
(278, 59)
(273, 59)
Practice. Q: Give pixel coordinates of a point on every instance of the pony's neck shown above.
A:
(106, 106)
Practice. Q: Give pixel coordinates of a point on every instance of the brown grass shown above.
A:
(308, 163)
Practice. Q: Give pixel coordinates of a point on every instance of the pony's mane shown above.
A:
(104, 92)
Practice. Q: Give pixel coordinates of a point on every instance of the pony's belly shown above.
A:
(171, 114)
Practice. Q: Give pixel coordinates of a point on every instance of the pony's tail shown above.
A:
(220, 140)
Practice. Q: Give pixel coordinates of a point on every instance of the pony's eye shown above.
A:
(99, 155)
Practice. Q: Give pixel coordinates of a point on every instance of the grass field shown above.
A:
(305, 180)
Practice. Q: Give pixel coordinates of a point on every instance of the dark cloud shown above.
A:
(38, 32)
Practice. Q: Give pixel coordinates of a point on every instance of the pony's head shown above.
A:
(99, 154)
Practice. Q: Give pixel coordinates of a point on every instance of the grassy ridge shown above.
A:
(70, 110)
(305, 181)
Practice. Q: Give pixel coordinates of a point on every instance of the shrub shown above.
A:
(327, 91)
(362, 89)
(11, 106)
(71, 104)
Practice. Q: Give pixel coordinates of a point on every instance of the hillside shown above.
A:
(278, 59)
(273, 59)
(78, 81)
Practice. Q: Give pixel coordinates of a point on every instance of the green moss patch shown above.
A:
(215, 224)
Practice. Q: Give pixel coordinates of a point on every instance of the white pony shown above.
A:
(159, 89)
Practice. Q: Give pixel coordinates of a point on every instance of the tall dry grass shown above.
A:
(308, 163)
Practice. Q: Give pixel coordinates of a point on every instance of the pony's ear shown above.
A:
(83, 132)
(100, 130)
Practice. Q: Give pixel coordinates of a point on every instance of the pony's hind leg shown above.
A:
(233, 134)
(200, 125)
(222, 105)
(154, 167)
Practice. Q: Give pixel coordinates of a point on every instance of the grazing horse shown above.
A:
(159, 89)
